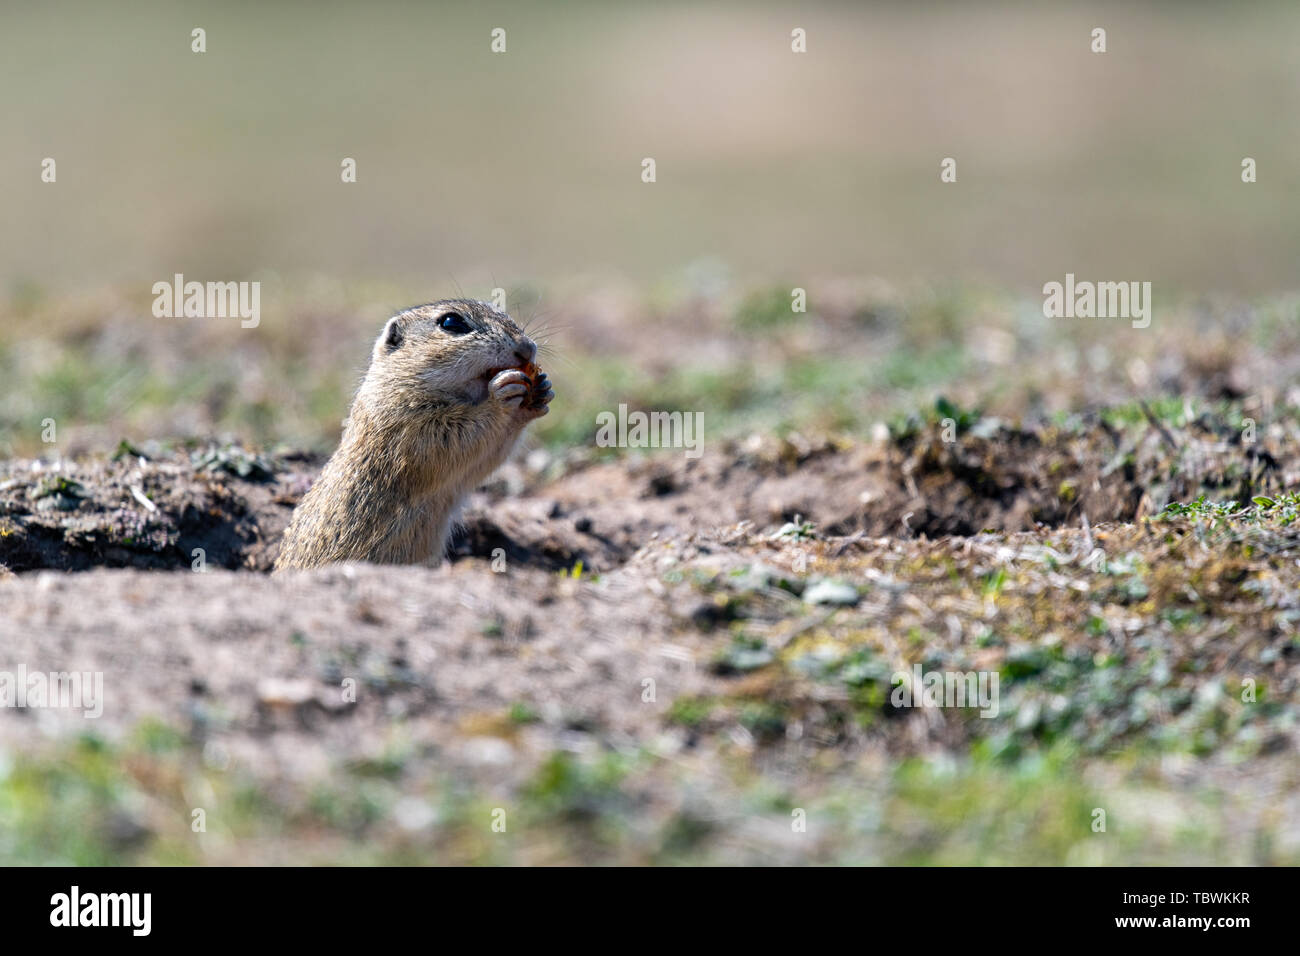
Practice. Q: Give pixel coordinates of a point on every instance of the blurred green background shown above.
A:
(522, 171)
(483, 169)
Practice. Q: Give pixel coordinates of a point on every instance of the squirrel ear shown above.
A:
(393, 336)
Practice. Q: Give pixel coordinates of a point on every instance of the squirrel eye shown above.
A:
(454, 323)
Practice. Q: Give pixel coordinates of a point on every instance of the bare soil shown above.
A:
(747, 605)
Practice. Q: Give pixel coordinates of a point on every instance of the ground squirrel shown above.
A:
(449, 389)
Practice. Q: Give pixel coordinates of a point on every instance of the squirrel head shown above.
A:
(445, 352)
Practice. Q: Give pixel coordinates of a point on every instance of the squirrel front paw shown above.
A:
(540, 395)
(528, 397)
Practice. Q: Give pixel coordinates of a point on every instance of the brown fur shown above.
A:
(435, 414)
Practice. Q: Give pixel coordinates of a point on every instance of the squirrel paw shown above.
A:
(511, 386)
(539, 397)
(527, 396)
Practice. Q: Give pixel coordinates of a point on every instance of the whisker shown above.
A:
(531, 321)
(549, 330)
(559, 358)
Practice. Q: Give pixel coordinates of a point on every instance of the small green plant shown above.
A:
(765, 309)
(744, 654)
(1281, 510)
(797, 530)
(234, 461)
(963, 418)
(522, 713)
(690, 712)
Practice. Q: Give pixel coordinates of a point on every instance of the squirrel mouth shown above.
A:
(529, 369)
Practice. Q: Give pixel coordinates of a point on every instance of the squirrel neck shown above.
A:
(386, 451)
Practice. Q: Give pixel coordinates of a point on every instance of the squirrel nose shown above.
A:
(525, 351)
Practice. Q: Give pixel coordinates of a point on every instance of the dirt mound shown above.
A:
(134, 512)
(228, 508)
